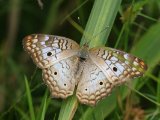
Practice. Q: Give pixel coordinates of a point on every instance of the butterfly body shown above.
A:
(94, 72)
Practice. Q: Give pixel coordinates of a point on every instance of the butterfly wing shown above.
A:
(93, 84)
(60, 77)
(56, 56)
(107, 68)
(46, 50)
(118, 66)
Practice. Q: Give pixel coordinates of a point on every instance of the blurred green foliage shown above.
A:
(136, 29)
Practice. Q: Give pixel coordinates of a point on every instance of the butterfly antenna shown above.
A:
(40, 3)
(86, 43)
(92, 37)
(87, 39)
(80, 22)
(101, 31)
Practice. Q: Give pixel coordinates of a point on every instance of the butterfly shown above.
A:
(93, 73)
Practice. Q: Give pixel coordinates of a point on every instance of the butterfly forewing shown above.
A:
(117, 65)
(46, 50)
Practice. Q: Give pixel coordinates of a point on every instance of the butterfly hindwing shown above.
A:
(93, 84)
(60, 77)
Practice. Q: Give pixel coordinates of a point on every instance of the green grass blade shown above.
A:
(22, 113)
(119, 37)
(44, 105)
(158, 93)
(68, 108)
(50, 21)
(148, 17)
(29, 98)
(101, 18)
(145, 96)
(74, 24)
(144, 49)
(44, 108)
(82, 4)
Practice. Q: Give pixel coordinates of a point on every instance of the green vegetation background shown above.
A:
(136, 29)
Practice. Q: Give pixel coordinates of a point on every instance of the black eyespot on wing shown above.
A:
(49, 54)
(100, 83)
(55, 73)
(64, 84)
(115, 69)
